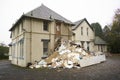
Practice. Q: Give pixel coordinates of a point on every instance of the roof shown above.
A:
(44, 13)
(98, 40)
(77, 23)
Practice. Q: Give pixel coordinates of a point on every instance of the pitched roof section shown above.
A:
(77, 23)
(98, 40)
(44, 12)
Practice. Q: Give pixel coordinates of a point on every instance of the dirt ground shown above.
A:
(108, 70)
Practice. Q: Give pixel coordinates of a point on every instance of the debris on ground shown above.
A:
(70, 55)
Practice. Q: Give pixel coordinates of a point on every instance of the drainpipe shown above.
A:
(31, 37)
(50, 38)
(94, 38)
(30, 40)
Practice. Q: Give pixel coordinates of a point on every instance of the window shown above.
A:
(87, 31)
(18, 29)
(58, 27)
(21, 48)
(101, 48)
(81, 30)
(22, 27)
(45, 46)
(98, 48)
(88, 46)
(13, 33)
(82, 44)
(13, 50)
(58, 30)
(45, 25)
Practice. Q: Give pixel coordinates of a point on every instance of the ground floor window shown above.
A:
(21, 42)
(13, 50)
(100, 48)
(45, 46)
(82, 44)
(18, 49)
(88, 46)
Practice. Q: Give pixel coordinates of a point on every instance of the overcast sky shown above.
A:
(101, 11)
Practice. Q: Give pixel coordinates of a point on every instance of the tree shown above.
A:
(3, 51)
(106, 31)
(97, 28)
(113, 36)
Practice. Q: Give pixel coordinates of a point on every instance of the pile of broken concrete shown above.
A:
(70, 56)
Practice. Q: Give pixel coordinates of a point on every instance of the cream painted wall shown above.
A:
(33, 46)
(37, 46)
(90, 37)
(16, 54)
(84, 37)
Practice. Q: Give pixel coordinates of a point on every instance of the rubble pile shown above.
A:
(68, 56)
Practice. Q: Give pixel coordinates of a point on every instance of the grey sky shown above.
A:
(101, 11)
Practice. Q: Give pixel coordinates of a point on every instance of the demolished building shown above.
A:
(36, 34)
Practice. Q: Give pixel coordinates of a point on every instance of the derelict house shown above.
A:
(34, 34)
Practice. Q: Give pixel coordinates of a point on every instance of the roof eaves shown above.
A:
(88, 23)
(99, 40)
(80, 21)
(37, 18)
(13, 26)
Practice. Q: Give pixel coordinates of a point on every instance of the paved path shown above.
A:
(109, 70)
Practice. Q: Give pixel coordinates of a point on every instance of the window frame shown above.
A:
(87, 31)
(45, 53)
(81, 30)
(21, 42)
(45, 25)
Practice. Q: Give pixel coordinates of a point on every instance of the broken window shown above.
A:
(58, 30)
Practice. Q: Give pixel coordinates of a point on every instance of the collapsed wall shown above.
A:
(70, 55)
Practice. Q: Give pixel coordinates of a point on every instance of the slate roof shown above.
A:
(44, 13)
(77, 23)
(98, 40)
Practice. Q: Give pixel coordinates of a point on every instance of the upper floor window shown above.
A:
(18, 29)
(13, 33)
(87, 31)
(45, 25)
(81, 30)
